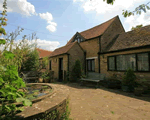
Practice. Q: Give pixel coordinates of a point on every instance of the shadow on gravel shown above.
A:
(145, 97)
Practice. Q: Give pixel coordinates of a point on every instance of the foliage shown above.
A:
(44, 62)
(32, 62)
(45, 75)
(138, 10)
(65, 116)
(129, 78)
(10, 82)
(137, 27)
(109, 1)
(76, 71)
(55, 113)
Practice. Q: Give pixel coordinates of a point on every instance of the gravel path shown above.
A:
(87, 103)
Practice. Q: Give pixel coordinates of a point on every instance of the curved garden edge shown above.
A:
(55, 102)
(41, 97)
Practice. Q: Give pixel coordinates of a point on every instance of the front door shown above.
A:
(60, 69)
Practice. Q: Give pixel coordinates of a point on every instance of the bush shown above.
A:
(129, 77)
(129, 80)
(76, 71)
(32, 62)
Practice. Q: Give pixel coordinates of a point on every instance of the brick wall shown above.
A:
(55, 64)
(91, 47)
(76, 53)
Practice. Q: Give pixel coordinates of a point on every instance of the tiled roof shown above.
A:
(62, 50)
(95, 31)
(132, 39)
(43, 53)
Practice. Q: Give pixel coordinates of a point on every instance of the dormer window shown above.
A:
(78, 38)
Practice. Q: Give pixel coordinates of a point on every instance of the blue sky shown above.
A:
(56, 21)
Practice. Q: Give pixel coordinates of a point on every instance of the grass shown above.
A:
(112, 112)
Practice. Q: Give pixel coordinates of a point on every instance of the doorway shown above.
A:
(60, 69)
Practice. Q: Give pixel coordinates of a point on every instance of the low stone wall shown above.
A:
(50, 108)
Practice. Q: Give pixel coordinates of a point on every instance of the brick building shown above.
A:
(105, 48)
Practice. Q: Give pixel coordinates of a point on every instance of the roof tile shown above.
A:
(95, 31)
(62, 50)
(135, 38)
(43, 53)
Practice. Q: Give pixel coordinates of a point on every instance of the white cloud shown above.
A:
(47, 45)
(101, 7)
(19, 6)
(48, 17)
(108, 11)
(43, 44)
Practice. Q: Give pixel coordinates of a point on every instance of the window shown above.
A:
(91, 65)
(111, 63)
(79, 39)
(137, 62)
(126, 61)
(142, 60)
(50, 67)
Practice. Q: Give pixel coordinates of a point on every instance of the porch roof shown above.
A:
(62, 50)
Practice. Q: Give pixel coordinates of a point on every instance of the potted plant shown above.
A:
(40, 78)
(128, 82)
(45, 76)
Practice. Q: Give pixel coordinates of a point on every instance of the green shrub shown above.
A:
(32, 63)
(76, 71)
(129, 77)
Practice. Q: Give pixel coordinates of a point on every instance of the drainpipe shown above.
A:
(99, 54)
(85, 62)
(68, 68)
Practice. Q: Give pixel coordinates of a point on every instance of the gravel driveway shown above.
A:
(88, 103)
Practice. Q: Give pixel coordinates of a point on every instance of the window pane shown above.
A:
(143, 64)
(111, 63)
(93, 65)
(78, 40)
(126, 61)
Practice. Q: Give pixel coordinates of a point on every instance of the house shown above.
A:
(63, 59)
(130, 50)
(105, 48)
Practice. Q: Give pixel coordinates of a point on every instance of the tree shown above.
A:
(137, 27)
(138, 10)
(76, 71)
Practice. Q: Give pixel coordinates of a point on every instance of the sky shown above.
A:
(56, 21)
